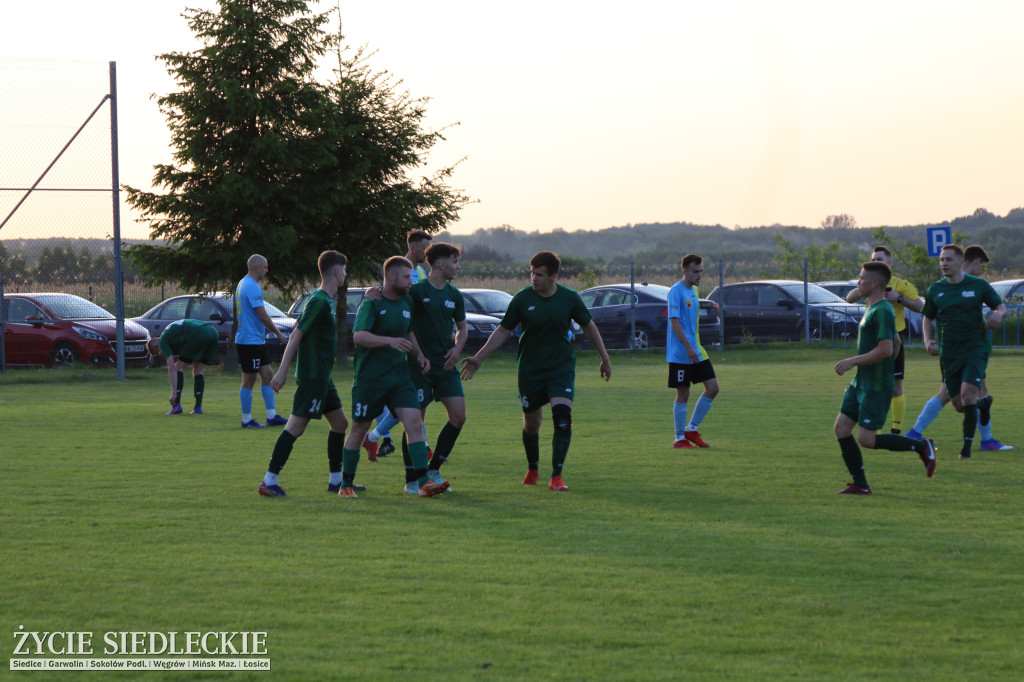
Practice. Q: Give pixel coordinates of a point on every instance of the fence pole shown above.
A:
(115, 190)
(807, 307)
(632, 304)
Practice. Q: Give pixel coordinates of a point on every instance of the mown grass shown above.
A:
(736, 562)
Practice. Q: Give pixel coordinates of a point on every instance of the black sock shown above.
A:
(335, 450)
(199, 383)
(854, 460)
(177, 393)
(532, 445)
(985, 407)
(445, 443)
(282, 449)
(970, 426)
(895, 442)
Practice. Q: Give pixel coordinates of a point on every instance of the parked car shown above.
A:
(843, 287)
(774, 310)
(1010, 290)
(57, 330)
(218, 310)
(478, 326)
(486, 301)
(609, 305)
(839, 287)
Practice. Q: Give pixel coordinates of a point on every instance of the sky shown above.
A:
(586, 115)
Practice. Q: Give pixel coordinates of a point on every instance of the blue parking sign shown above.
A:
(937, 238)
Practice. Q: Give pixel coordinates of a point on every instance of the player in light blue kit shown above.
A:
(250, 341)
(688, 362)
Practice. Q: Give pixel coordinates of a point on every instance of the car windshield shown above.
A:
(1003, 288)
(492, 301)
(70, 307)
(815, 294)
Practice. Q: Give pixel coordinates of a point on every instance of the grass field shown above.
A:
(732, 563)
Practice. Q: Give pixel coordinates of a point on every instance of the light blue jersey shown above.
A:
(418, 274)
(249, 297)
(683, 305)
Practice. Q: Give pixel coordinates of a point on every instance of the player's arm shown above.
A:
(495, 341)
(281, 376)
(928, 334)
(591, 334)
(417, 352)
(461, 336)
(370, 340)
(996, 318)
(172, 374)
(883, 350)
(261, 313)
(677, 329)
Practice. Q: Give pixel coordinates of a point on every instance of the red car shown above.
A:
(57, 330)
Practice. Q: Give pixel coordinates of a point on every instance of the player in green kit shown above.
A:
(383, 336)
(313, 347)
(869, 395)
(437, 307)
(954, 304)
(546, 362)
(186, 341)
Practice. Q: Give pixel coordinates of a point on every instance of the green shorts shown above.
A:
(201, 346)
(867, 408)
(368, 401)
(315, 398)
(535, 392)
(437, 385)
(969, 369)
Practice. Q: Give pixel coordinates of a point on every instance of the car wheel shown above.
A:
(640, 340)
(63, 355)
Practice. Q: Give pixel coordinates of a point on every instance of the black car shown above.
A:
(478, 326)
(217, 309)
(774, 310)
(486, 301)
(610, 307)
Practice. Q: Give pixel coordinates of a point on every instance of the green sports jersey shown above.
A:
(957, 309)
(177, 334)
(384, 365)
(544, 346)
(878, 324)
(434, 311)
(319, 344)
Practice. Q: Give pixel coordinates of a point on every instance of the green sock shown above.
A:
(445, 444)
(854, 460)
(335, 450)
(282, 449)
(559, 449)
(896, 443)
(532, 445)
(410, 470)
(418, 455)
(349, 464)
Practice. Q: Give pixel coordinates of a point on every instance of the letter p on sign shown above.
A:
(937, 238)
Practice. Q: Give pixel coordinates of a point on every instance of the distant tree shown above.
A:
(979, 219)
(842, 221)
(13, 267)
(823, 262)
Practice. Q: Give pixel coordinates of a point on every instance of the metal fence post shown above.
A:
(115, 196)
(632, 304)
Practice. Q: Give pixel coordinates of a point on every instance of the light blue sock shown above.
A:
(245, 395)
(268, 399)
(679, 415)
(385, 422)
(335, 478)
(703, 405)
(928, 414)
(270, 479)
(985, 431)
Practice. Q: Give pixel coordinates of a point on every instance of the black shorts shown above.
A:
(898, 361)
(684, 375)
(252, 356)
